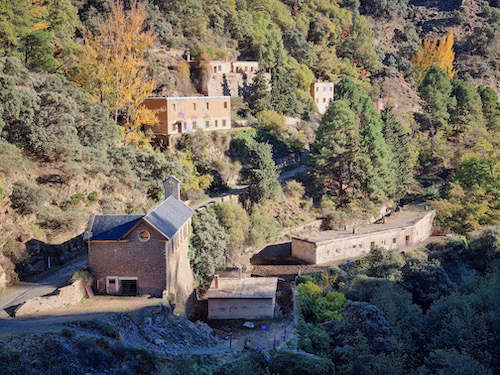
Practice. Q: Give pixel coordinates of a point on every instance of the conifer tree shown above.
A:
(283, 98)
(259, 98)
(378, 176)
(335, 152)
(491, 107)
(468, 109)
(435, 90)
(261, 172)
(396, 137)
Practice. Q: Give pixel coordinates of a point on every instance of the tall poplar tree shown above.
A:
(113, 68)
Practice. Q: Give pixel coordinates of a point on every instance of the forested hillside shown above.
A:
(74, 142)
(415, 118)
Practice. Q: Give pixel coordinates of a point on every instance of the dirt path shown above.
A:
(19, 293)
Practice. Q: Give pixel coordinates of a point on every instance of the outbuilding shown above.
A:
(242, 298)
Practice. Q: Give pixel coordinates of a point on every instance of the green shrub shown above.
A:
(263, 227)
(83, 275)
(76, 198)
(92, 197)
(27, 198)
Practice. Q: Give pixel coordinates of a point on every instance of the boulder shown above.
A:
(66, 296)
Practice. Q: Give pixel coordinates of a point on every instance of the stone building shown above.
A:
(322, 94)
(405, 229)
(184, 114)
(242, 298)
(143, 254)
(232, 78)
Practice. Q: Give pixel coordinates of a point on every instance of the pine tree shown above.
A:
(335, 152)
(468, 108)
(261, 172)
(63, 21)
(491, 107)
(378, 176)
(283, 98)
(396, 137)
(435, 90)
(259, 98)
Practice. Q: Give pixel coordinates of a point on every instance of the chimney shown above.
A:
(216, 282)
(172, 187)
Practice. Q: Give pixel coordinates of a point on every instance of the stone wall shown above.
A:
(357, 245)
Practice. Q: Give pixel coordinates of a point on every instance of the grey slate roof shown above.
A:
(167, 218)
(112, 227)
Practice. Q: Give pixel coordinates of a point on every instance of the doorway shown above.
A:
(111, 285)
(128, 287)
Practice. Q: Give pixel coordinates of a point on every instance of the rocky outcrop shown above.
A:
(69, 295)
(7, 273)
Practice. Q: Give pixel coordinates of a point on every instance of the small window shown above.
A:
(372, 244)
(194, 106)
(194, 125)
(225, 104)
(215, 69)
(220, 68)
(173, 106)
(393, 240)
(353, 246)
(223, 122)
(317, 88)
(208, 107)
(144, 236)
(331, 88)
(207, 124)
(216, 123)
(324, 100)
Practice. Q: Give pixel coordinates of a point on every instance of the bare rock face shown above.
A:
(7, 272)
(68, 295)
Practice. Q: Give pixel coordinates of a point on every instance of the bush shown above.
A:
(76, 198)
(207, 248)
(235, 221)
(92, 197)
(84, 275)
(263, 227)
(27, 198)
(294, 189)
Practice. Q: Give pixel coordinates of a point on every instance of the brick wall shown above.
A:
(134, 258)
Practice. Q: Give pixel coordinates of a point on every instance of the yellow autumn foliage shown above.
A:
(113, 69)
(437, 52)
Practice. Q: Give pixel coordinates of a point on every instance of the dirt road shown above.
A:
(19, 293)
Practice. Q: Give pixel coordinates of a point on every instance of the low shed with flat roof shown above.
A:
(400, 231)
(242, 298)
